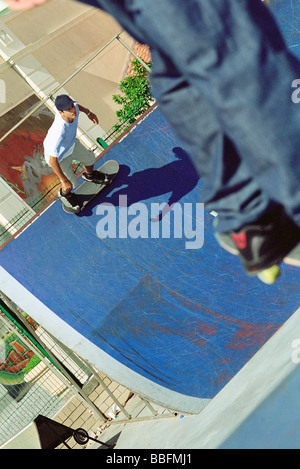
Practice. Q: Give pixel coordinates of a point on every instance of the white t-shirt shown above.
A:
(61, 137)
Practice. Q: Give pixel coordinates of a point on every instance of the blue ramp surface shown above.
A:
(186, 320)
(287, 13)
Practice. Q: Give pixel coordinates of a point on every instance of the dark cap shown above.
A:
(63, 102)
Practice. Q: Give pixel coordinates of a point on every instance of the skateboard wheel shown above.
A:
(270, 275)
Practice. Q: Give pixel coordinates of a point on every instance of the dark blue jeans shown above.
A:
(222, 76)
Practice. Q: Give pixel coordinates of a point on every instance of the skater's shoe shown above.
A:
(262, 244)
(96, 176)
(69, 199)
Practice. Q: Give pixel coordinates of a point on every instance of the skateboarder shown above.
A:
(222, 76)
(59, 147)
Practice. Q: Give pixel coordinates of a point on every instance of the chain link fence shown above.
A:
(40, 376)
(27, 385)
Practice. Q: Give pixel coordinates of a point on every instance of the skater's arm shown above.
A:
(89, 113)
(66, 184)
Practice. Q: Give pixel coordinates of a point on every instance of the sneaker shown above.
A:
(264, 243)
(96, 176)
(69, 200)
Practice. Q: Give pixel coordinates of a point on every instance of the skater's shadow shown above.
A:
(175, 179)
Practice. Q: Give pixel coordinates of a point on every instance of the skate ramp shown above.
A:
(287, 17)
(173, 321)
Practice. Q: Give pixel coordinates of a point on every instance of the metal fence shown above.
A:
(27, 385)
(40, 376)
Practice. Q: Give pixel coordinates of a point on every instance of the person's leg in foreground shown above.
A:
(222, 76)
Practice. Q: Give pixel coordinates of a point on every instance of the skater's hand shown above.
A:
(93, 118)
(66, 186)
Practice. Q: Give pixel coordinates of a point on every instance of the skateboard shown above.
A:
(88, 190)
(269, 275)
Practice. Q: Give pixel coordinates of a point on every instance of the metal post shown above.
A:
(106, 388)
(154, 412)
(133, 53)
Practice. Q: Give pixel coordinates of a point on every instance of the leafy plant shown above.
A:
(136, 95)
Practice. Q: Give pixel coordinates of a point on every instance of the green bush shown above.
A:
(136, 95)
